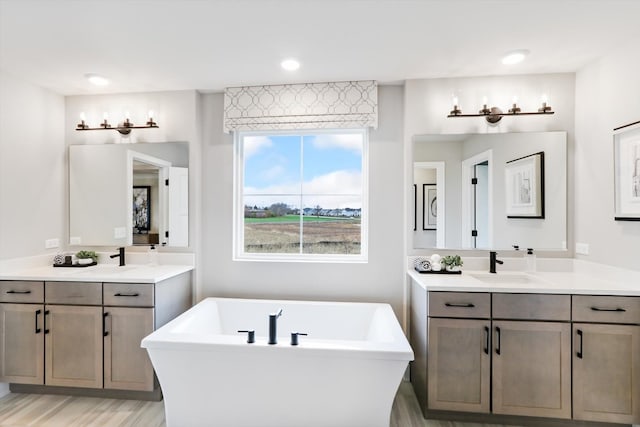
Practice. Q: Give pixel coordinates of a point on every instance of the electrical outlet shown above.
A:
(582, 248)
(51, 243)
(75, 241)
(119, 233)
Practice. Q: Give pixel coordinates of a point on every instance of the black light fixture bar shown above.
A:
(495, 114)
(124, 128)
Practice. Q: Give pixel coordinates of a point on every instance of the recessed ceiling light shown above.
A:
(290, 64)
(515, 56)
(96, 79)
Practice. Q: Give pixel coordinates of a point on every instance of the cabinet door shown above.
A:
(126, 365)
(73, 346)
(459, 365)
(532, 369)
(606, 373)
(21, 343)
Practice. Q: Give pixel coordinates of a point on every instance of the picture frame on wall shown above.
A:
(626, 157)
(429, 206)
(524, 186)
(141, 208)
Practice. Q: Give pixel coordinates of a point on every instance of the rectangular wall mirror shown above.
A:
(126, 194)
(473, 184)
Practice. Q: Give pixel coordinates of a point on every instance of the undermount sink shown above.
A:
(506, 278)
(107, 269)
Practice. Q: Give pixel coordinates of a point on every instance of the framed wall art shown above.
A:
(141, 208)
(429, 206)
(626, 158)
(524, 185)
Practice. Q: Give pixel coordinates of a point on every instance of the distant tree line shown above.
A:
(282, 209)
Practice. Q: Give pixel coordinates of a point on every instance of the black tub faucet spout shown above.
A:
(273, 327)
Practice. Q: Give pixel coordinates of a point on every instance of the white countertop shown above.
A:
(136, 273)
(584, 279)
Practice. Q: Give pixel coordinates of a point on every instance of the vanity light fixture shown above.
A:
(494, 114)
(124, 128)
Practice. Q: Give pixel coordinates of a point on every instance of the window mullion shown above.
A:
(301, 196)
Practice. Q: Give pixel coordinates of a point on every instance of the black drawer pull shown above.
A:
(497, 340)
(125, 294)
(37, 313)
(579, 352)
(486, 340)
(618, 309)
(104, 324)
(459, 304)
(46, 313)
(18, 292)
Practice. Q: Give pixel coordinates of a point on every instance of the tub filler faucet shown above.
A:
(273, 327)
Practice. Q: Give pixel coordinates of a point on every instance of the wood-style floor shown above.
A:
(19, 410)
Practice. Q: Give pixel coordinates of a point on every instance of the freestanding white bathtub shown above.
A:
(345, 373)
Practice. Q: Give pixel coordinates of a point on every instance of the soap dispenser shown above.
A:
(530, 261)
(153, 255)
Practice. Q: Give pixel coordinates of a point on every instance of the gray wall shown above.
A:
(607, 96)
(33, 184)
(379, 280)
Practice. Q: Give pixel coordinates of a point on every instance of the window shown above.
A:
(301, 195)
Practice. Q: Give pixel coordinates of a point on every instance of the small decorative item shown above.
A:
(59, 259)
(436, 262)
(524, 185)
(422, 264)
(626, 150)
(86, 255)
(141, 208)
(452, 262)
(429, 206)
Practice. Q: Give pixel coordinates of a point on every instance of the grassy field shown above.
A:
(324, 235)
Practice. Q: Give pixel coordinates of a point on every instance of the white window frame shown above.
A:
(238, 202)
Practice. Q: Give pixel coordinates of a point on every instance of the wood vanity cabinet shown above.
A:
(129, 317)
(459, 357)
(531, 355)
(606, 359)
(85, 334)
(21, 336)
(73, 334)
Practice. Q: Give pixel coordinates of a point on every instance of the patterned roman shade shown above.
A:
(302, 106)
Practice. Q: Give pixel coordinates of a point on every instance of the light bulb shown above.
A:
(484, 100)
(515, 99)
(151, 114)
(455, 101)
(105, 115)
(83, 117)
(544, 98)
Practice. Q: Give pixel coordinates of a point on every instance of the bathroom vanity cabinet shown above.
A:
(509, 355)
(84, 334)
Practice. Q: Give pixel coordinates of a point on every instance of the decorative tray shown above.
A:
(75, 265)
(439, 272)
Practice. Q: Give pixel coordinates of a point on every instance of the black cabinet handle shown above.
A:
(46, 313)
(459, 304)
(131, 294)
(18, 292)
(497, 340)
(37, 313)
(620, 310)
(579, 352)
(486, 340)
(104, 324)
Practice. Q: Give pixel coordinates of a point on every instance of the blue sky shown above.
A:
(332, 165)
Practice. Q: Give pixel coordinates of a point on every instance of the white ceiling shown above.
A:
(153, 45)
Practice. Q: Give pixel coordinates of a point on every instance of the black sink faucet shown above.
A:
(273, 330)
(493, 261)
(120, 255)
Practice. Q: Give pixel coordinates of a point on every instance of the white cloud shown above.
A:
(254, 144)
(340, 186)
(348, 141)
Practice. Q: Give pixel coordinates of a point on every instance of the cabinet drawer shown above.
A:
(129, 294)
(605, 309)
(73, 293)
(21, 291)
(532, 307)
(460, 304)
